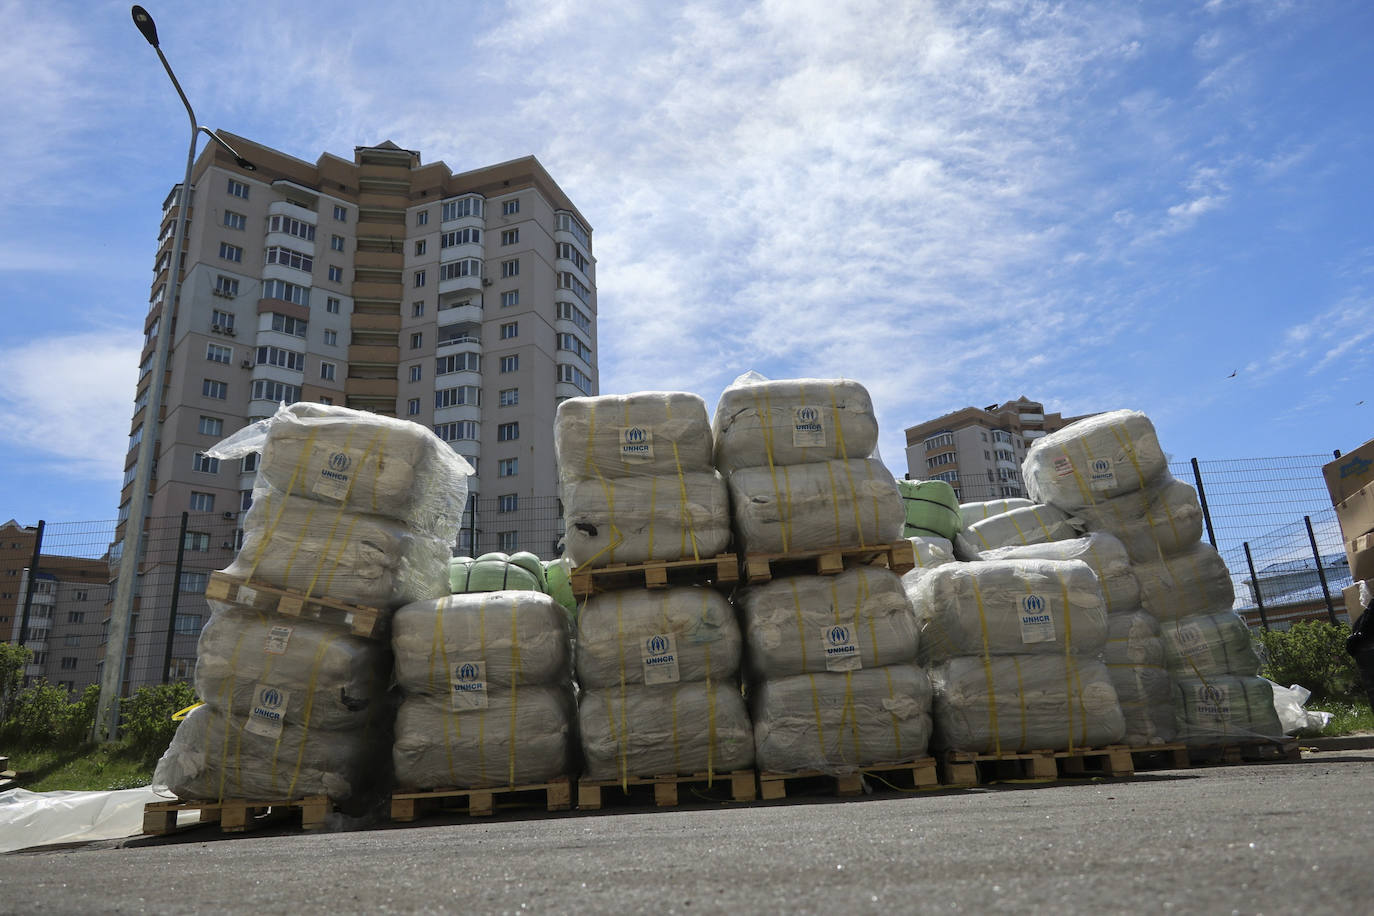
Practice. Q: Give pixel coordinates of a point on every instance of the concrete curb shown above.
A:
(1343, 743)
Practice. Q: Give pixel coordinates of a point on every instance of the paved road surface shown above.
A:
(1276, 838)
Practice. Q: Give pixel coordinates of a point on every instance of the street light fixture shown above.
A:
(121, 612)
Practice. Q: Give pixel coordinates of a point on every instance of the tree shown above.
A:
(13, 661)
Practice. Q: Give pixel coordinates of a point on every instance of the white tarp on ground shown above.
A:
(30, 819)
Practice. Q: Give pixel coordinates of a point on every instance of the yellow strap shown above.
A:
(801, 622)
(1020, 698)
(987, 667)
(1070, 667)
(308, 712)
(181, 714)
(515, 663)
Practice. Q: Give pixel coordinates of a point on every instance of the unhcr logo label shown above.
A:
(1101, 475)
(658, 653)
(1037, 619)
(840, 648)
(268, 713)
(807, 429)
(636, 444)
(469, 686)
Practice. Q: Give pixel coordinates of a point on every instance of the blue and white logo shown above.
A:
(1032, 604)
(658, 645)
(270, 698)
(1101, 466)
(635, 434)
(808, 415)
(339, 461)
(467, 672)
(1213, 695)
(838, 635)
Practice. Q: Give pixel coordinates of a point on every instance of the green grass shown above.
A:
(92, 767)
(1346, 719)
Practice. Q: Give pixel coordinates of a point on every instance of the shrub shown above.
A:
(1312, 654)
(146, 717)
(44, 716)
(13, 660)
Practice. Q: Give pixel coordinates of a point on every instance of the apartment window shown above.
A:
(508, 502)
(574, 344)
(217, 353)
(291, 226)
(340, 213)
(936, 460)
(510, 236)
(510, 268)
(68, 663)
(569, 312)
(460, 429)
(230, 252)
(205, 464)
(510, 329)
(510, 363)
(249, 464)
(331, 304)
(576, 377)
(508, 541)
(222, 320)
(457, 209)
(510, 297)
(188, 624)
(465, 236)
(285, 359)
(417, 308)
(417, 340)
(287, 292)
(331, 337)
(507, 467)
(510, 207)
(202, 502)
(420, 247)
(508, 432)
(465, 267)
(569, 281)
(416, 373)
(213, 389)
(181, 669)
(419, 278)
(422, 218)
(327, 371)
(198, 541)
(458, 362)
(566, 223)
(335, 274)
(455, 397)
(288, 325)
(509, 397)
(268, 390)
(336, 242)
(289, 257)
(234, 220)
(941, 440)
(211, 426)
(71, 640)
(77, 616)
(568, 252)
(228, 287)
(238, 189)
(413, 407)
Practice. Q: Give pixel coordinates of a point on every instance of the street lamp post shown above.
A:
(121, 612)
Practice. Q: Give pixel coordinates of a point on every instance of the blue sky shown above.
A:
(1097, 204)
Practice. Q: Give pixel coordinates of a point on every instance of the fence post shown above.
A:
(1254, 582)
(1321, 571)
(176, 594)
(33, 577)
(1202, 499)
(472, 526)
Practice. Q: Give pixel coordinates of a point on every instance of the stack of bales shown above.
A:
(658, 670)
(1014, 648)
(931, 509)
(832, 680)
(1110, 472)
(348, 506)
(1015, 525)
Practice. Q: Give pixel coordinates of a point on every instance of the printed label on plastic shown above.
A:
(1101, 474)
(1188, 639)
(659, 656)
(1037, 619)
(277, 639)
(808, 427)
(636, 444)
(840, 644)
(334, 471)
(1213, 702)
(1062, 466)
(268, 713)
(469, 684)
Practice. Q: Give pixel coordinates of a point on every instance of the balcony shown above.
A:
(462, 310)
(295, 211)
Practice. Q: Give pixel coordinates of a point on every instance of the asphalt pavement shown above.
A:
(1272, 838)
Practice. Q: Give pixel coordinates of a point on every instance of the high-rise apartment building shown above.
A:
(464, 302)
(979, 450)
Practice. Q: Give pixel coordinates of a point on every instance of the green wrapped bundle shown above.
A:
(495, 572)
(932, 509)
(558, 578)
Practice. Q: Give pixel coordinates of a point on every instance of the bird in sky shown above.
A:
(1233, 373)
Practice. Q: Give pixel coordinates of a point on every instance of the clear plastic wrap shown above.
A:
(1005, 607)
(1225, 710)
(860, 618)
(813, 506)
(1133, 639)
(322, 550)
(521, 736)
(645, 434)
(1009, 703)
(1134, 656)
(639, 519)
(1101, 551)
(363, 461)
(517, 637)
(1196, 582)
(976, 512)
(838, 721)
(1096, 458)
(769, 423)
(659, 636)
(641, 731)
(1016, 528)
(1163, 519)
(494, 573)
(1206, 645)
(324, 677)
(932, 509)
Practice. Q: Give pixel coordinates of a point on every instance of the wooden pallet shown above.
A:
(1160, 757)
(7, 776)
(665, 789)
(1286, 750)
(359, 619)
(238, 815)
(722, 570)
(918, 774)
(555, 795)
(959, 768)
(899, 556)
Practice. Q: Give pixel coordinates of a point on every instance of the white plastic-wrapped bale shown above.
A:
(519, 736)
(687, 728)
(1196, 582)
(365, 462)
(323, 550)
(645, 434)
(1004, 607)
(1206, 645)
(1096, 458)
(1101, 551)
(1016, 528)
(640, 519)
(837, 721)
(1134, 656)
(1163, 519)
(766, 423)
(1225, 710)
(971, 513)
(790, 623)
(318, 676)
(661, 636)
(1009, 703)
(517, 637)
(1133, 639)
(814, 506)
(216, 756)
